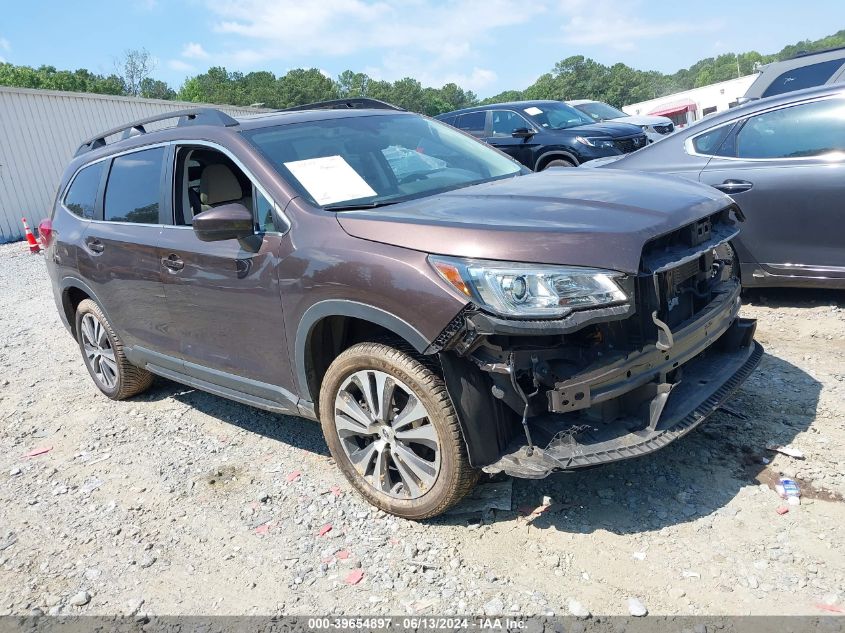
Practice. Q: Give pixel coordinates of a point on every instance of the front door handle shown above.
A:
(734, 186)
(95, 246)
(173, 262)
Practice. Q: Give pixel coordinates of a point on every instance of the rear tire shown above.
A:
(391, 415)
(558, 163)
(102, 352)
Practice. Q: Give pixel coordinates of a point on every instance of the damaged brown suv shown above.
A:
(438, 308)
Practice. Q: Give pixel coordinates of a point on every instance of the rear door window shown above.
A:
(472, 122)
(133, 191)
(809, 129)
(81, 198)
(803, 77)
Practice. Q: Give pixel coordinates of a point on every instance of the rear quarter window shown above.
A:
(803, 77)
(472, 122)
(81, 197)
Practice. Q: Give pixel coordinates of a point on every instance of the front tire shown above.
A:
(393, 432)
(102, 352)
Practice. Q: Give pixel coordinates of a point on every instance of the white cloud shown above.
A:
(192, 50)
(4, 44)
(415, 37)
(180, 66)
(620, 25)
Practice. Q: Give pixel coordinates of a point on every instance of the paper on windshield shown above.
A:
(330, 179)
(533, 111)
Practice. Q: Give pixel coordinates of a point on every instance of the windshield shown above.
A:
(600, 111)
(556, 116)
(368, 161)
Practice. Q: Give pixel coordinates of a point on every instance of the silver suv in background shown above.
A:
(806, 70)
(654, 127)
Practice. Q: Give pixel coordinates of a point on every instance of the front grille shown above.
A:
(664, 129)
(630, 144)
(685, 288)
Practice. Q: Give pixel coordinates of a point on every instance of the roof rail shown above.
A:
(342, 104)
(191, 116)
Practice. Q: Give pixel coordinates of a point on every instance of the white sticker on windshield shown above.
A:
(533, 111)
(330, 179)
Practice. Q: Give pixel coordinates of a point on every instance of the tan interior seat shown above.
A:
(218, 185)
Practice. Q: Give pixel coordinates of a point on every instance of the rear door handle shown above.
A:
(734, 186)
(173, 262)
(95, 246)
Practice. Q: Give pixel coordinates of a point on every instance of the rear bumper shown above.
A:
(711, 372)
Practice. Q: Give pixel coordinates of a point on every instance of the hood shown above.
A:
(608, 129)
(644, 119)
(579, 217)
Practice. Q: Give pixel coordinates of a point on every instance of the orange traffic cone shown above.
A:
(30, 238)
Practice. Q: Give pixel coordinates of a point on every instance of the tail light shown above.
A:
(45, 231)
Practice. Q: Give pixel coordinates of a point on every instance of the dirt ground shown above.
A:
(180, 502)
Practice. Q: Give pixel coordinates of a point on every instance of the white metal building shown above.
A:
(691, 105)
(39, 132)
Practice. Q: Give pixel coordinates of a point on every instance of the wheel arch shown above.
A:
(329, 327)
(556, 154)
(73, 292)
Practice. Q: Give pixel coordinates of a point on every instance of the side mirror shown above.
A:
(523, 132)
(231, 221)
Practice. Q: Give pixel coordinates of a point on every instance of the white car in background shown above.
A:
(655, 127)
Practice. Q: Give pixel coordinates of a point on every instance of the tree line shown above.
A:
(576, 77)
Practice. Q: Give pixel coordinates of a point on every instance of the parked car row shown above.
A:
(542, 134)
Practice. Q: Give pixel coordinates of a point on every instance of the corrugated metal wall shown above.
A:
(39, 133)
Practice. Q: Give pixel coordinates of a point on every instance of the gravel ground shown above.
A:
(179, 502)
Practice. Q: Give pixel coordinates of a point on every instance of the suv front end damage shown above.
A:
(610, 383)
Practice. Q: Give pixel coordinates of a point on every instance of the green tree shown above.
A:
(352, 84)
(407, 93)
(156, 89)
(300, 86)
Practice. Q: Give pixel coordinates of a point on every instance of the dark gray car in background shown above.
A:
(437, 307)
(783, 160)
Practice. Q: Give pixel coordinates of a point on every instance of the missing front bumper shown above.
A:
(574, 441)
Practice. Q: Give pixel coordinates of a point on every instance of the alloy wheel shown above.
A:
(387, 434)
(99, 353)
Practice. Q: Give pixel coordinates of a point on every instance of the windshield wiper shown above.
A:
(358, 207)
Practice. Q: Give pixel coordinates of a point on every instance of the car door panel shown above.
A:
(119, 258)
(226, 312)
(121, 264)
(785, 169)
(794, 212)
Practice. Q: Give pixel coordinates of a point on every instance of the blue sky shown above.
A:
(483, 45)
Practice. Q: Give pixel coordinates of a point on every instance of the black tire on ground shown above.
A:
(455, 478)
(558, 163)
(130, 380)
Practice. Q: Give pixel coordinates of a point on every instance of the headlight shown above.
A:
(645, 128)
(596, 142)
(530, 290)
